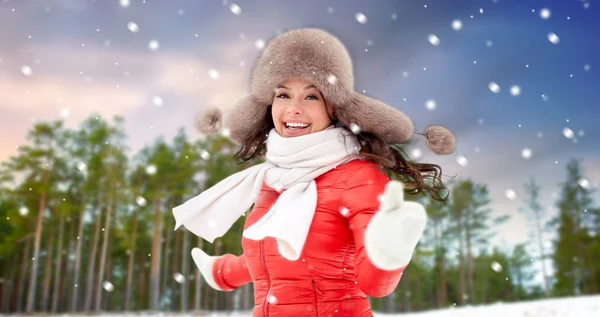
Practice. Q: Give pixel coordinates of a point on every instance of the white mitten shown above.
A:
(205, 263)
(395, 230)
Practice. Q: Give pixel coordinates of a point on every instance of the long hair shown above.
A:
(418, 178)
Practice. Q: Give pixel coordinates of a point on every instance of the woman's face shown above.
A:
(299, 109)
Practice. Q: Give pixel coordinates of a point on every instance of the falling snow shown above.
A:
(430, 104)
(133, 27)
(494, 87)
(361, 18)
(141, 201)
(151, 169)
(108, 286)
(23, 211)
(545, 13)
(515, 90)
(157, 100)
(510, 194)
(433, 39)
(235, 9)
(526, 153)
(26, 70)
(457, 25)
(153, 45)
(568, 133)
(553, 38)
(462, 160)
(496, 266)
(179, 278)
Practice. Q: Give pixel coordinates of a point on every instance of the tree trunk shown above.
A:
(89, 285)
(109, 209)
(8, 285)
(538, 228)
(185, 268)
(128, 291)
(155, 266)
(109, 259)
(217, 252)
(470, 262)
(198, 292)
(166, 281)
(66, 296)
(55, 292)
(36, 247)
(461, 267)
(23, 275)
(75, 288)
(48, 271)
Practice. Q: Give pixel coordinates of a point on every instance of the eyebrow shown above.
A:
(305, 88)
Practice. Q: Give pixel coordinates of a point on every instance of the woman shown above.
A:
(328, 227)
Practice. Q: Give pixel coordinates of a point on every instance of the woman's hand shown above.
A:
(395, 230)
(205, 264)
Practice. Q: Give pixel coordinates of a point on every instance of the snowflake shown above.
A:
(355, 128)
(157, 100)
(214, 74)
(332, 79)
(584, 183)
(526, 153)
(108, 286)
(124, 3)
(23, 211)
(133, 27)
(553, 38)
(179, 278)
(457, 25)
(545, 13)
(259, 44)
(494, 87)
(568, 133)
(416, 153)
(515, 90)
(141, 201)
(153, 45)
(433, 39)
(151, 169)
(344, 211)
(462, 160)
(26, 70)
(235, 9)
(510, 194)
(496, 266)
(430, 105)
(64, 112)
(361, 18)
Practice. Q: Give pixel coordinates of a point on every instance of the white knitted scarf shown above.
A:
(291, 166)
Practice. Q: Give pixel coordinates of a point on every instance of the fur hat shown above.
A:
(321, 59)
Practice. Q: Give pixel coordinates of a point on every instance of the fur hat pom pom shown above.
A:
(209, 121)
(440, 140)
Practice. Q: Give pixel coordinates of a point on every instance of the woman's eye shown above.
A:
(282, 95)
(313, 96)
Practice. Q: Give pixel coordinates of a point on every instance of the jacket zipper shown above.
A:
(315, 292)
(264, 266)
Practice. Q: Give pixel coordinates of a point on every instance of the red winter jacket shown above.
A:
(333, 275)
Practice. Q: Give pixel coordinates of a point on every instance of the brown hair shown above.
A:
(391, 159)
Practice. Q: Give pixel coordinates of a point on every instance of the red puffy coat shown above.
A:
(333, 275)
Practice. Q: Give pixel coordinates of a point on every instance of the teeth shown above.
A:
(293, 124)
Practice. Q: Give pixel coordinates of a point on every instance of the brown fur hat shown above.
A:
(321, 59)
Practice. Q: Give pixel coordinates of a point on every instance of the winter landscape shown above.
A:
(99, 142)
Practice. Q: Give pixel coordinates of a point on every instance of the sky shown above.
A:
(516, 81)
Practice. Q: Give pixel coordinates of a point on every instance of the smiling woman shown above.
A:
(328, 227)
(299, 108)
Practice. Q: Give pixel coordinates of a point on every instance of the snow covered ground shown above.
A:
(582, 306)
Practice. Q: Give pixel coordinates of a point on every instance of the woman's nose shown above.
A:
(293, 110)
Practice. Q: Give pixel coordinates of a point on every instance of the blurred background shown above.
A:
(98, 100)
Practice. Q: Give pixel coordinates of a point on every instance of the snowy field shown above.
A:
(582, 306)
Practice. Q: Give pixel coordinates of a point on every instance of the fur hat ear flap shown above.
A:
(439, 140)
(209, 121)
